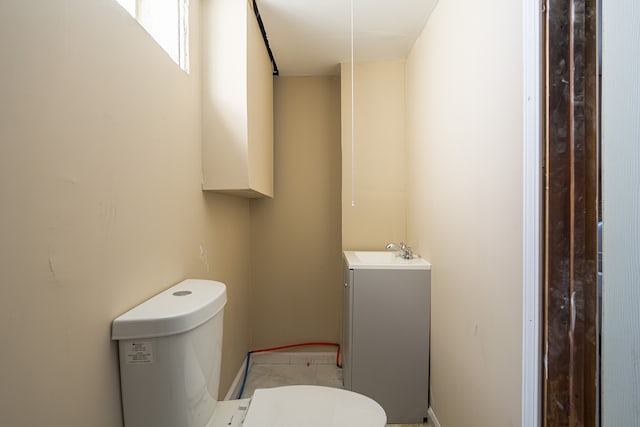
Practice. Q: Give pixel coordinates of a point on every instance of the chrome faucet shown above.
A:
(403, 250)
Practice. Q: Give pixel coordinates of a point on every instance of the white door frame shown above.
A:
(533, 97)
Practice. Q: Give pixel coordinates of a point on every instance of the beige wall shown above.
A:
(378, 186)
(295, 238)
(101, 204)
(464, 105)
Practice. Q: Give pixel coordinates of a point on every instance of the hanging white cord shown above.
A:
(353, 126)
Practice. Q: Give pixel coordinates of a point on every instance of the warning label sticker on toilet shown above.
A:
(138, 352)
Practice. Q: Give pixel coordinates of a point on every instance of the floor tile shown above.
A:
(270, 375)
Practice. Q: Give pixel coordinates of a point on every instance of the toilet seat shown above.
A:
(312, 406)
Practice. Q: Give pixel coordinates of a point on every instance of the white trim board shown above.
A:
(532, 16)
(234, 388)
(433, 420)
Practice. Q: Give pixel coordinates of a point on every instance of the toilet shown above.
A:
(170, 350)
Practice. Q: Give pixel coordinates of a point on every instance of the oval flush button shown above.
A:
(181, 293)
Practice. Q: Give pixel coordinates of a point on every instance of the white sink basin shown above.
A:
(383, 260)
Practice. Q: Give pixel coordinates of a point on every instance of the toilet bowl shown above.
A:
(300, 406)
(312, 406)
(170, 349)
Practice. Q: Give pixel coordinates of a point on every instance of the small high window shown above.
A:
(167, 21)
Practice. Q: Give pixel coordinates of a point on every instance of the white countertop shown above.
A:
(383, 260)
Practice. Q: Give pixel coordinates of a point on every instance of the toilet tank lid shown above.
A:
(180, 308)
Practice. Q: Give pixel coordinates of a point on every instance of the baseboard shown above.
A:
(234, 389)
(433, 420)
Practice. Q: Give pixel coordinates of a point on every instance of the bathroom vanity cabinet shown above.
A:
(386, 318)
(237, 101)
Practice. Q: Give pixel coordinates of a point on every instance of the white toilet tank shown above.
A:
(170, 349)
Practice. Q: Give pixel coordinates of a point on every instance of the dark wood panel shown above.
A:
(571, 220)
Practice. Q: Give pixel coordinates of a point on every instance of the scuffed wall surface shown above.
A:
(101, 207)
(464, 131)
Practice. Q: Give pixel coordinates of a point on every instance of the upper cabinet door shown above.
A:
(237, 102)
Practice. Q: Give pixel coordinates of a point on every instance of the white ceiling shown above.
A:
(311, 37)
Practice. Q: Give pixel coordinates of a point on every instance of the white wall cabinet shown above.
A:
(237, 101)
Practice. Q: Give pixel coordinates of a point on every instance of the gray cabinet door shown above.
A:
(389, 351)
